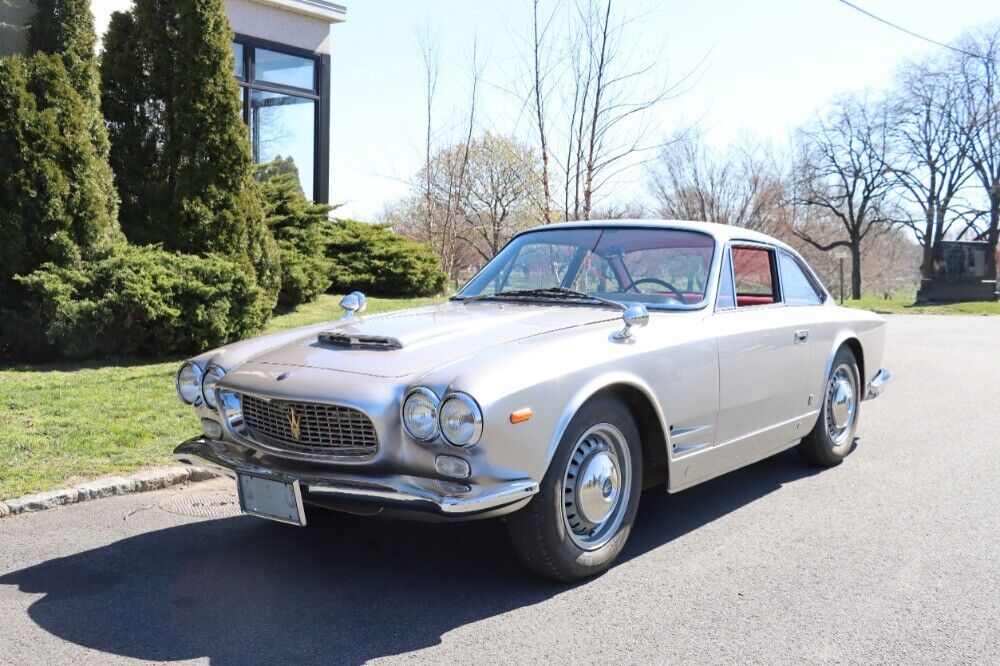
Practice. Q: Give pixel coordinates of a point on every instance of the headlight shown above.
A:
(189, 383)
(208, 381)
(461, 420)
(420, 414)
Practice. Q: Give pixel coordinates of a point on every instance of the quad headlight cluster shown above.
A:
(196, 386)
(457, 417)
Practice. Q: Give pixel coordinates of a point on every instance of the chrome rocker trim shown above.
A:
(877, 384)
(405, 493)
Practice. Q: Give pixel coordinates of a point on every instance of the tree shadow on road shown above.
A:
(346, 589)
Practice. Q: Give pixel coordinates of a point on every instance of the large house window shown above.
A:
(286, 106)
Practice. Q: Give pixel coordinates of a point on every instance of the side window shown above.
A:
(727, 294)
(796, 285)
(755, 274)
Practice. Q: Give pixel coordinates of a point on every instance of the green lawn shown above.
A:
(907, 306)
(66, 422)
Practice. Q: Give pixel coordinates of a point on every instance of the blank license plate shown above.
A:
(275, 500)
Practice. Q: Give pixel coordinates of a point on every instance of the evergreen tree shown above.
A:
(56, 192)
(66, 28)
(173, 110)
(300, 228)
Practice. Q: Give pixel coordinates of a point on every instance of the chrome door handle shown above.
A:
(801, 335)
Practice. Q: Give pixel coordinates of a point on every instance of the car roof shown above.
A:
(721, 232)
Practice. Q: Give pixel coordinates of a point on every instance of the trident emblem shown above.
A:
(293, 423)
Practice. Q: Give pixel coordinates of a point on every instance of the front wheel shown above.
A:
(578, 522)
(833, 435)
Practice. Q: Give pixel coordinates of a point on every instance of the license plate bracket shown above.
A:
(271, 499)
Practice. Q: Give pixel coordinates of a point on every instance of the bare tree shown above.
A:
(539, 96)
(932, 141)
(437, 220)
(741, 186)
(504, 191)
(980, 70)
(843, 175)
(599, 124)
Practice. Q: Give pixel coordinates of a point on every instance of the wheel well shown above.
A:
(855, 346)
(654, 440)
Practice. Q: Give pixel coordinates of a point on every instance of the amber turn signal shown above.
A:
(521, 415)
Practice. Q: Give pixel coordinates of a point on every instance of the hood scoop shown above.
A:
(357, 341)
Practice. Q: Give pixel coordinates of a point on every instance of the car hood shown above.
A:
(428, 337)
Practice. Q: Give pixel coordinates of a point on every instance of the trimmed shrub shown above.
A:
(299, 228)
(144, 301)
(66, 28)
(374, 259)
(56, 190)
(179, 148)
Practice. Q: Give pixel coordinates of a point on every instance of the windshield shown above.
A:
(659, 267)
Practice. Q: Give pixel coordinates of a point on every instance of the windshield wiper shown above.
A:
(549, 293)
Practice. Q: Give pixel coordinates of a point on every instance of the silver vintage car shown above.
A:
(583, 364)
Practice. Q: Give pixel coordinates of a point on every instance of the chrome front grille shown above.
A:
(311, 428)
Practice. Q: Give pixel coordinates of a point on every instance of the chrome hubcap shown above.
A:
(597, 487)
(841, 405)
(596, 484)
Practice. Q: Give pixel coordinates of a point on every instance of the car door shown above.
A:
(806, 298)
(763, 355)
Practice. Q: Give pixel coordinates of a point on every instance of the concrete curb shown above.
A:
(154, 479)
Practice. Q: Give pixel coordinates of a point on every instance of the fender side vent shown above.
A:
(346, 340)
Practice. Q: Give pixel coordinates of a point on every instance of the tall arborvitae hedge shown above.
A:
(66, 28)
(179, 148)
(57, 199)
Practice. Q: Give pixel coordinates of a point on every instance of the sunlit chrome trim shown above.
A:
(435, 400)
(474, 409)
(232, 459)
(877, 384)
(209, 396)
(177, 383)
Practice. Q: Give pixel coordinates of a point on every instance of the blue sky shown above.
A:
(768, 66)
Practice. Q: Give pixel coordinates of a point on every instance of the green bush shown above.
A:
(374, 259)
(56, 190)
(298, 227)
(143, 300)
(179, 148)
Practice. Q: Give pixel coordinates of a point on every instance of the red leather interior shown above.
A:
(744, 300)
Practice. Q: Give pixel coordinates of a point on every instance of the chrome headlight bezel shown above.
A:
(195, 383)
(209, 379)
(430, 398)
(472, 416)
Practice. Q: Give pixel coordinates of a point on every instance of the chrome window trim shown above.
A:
(821, 292)
(710, 287)
(775, 276)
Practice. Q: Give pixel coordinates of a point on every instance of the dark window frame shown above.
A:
(320, 93)
(810, 279)
(776, 290)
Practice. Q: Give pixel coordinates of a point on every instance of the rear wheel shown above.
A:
(578, 522)
(833, 435)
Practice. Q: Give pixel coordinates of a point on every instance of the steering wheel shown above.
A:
(657, 281)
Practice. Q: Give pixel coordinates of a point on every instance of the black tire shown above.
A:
(829, 442)
(541, 532)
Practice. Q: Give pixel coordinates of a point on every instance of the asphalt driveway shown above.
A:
(894, 556)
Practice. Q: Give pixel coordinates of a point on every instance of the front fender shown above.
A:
(592, 388)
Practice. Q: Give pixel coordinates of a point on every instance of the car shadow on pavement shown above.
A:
(346, 589)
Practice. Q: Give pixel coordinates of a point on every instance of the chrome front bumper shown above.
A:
(400, 494)
(877, 384)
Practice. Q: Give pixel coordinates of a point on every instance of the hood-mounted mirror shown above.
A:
(353, 304)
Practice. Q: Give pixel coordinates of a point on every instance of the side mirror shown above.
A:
(635, 315)
(353, 304)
